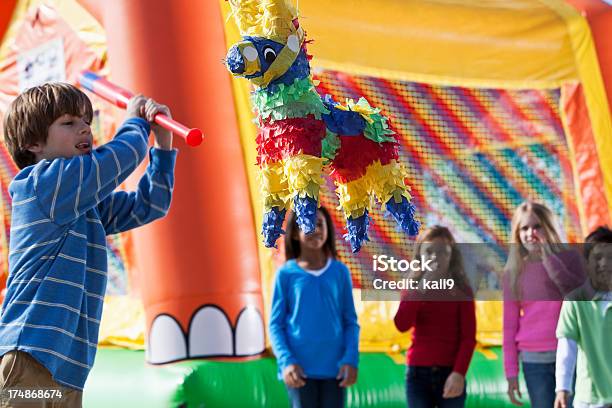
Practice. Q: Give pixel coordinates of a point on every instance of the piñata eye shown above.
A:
(269, 54)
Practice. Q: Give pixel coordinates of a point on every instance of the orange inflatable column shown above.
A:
(588, 176)
(599, 15)
(197, 268)
(6, 13)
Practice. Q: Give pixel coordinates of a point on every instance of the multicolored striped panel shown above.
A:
(472, 156)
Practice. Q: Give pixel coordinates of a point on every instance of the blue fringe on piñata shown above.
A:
(306, 213)
(404, 215)
(272, 226)
(357, 231)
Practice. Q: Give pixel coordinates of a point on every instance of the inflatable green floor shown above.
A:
(121, 378)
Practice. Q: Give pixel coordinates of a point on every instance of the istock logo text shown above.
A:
(383, 263)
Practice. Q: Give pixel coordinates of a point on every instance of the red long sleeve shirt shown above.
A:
(444, 332)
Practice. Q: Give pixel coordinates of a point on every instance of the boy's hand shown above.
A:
(293, 375)
(561, 399)
(135, 107)
(348, 375)
(146, 108)
(163, 137)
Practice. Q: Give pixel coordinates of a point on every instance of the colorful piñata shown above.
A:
(301, 133)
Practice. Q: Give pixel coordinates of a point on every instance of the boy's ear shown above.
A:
(34, 148)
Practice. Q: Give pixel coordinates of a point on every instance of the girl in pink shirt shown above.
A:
(539, 272)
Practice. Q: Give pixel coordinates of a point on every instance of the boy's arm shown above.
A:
(122, 211)
(67, 188)
(278, 334)
(569, 334)
(567, 353)
(349, 322)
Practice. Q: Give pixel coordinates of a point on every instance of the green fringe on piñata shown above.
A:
(329, 146)
(377, 128)
(294, 101)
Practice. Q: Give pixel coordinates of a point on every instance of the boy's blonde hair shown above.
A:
(29, 116)
(516, 257)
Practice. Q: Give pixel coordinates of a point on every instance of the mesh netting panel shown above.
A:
(472, 156)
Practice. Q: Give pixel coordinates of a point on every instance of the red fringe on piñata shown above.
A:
(356, 154)
(288, 137)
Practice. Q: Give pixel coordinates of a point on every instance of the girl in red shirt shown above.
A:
(444, 326)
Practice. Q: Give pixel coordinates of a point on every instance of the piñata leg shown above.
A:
(304, 177)
(387, 182)
(354, 200)
(276, 195)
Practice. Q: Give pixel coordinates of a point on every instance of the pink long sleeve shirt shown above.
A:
(531, 319)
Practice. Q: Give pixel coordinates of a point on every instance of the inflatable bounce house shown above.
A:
(491, 103)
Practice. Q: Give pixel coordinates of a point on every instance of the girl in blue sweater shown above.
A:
(313, 323)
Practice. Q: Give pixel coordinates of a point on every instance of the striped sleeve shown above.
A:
(122, 211)
(67, 188)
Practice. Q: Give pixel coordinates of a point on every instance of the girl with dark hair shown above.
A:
(444, 333)
(313, 323)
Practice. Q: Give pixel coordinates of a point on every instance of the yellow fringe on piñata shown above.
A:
(272, 19)
(298, 175)
(385, 181)
(304, 175)
(388, 181)
(361, 106)
(274, 187)
(354, 197)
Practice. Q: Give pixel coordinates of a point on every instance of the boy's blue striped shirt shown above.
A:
(62, 211)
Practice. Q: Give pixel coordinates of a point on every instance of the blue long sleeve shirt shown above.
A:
(62, 210)
(313, 321)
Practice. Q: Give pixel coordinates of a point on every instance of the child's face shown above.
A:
(600, 267)
(317, 238)
(68, 136)
(439, 251)
(531, 233)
